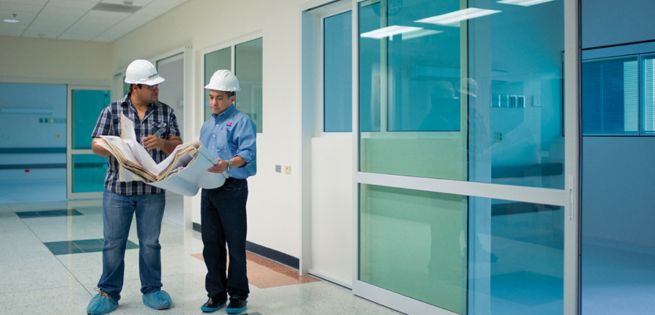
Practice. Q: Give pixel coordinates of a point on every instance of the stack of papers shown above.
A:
(184, 171)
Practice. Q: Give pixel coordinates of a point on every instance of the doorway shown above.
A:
(328, 215)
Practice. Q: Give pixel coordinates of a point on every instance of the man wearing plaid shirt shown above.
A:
(156, 128)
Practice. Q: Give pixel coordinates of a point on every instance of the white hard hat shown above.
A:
(142, 72)
(223, 80)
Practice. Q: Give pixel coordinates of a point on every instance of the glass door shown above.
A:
(466, 143)
(86, 171)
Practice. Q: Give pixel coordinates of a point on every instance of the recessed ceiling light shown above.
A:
(12, 19)
(453, 18)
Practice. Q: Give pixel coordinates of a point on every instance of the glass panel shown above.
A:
(248, 68)
(516, 258)
(86, 107)
(649, 95)
(88, 173)
(337, 73)
(618, 239)
(514, 93)
(610, 97)
(216, 60)
(369, 69)
(414, 243)
(484, 105)
(408, 101)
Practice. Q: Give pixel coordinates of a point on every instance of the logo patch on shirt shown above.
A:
(229, 123)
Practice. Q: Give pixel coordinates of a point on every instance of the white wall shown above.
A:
(55, 61)
(274, 200)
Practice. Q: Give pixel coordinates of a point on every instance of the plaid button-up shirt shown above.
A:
(158, 116)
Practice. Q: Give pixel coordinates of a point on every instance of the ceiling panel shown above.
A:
(77, 19)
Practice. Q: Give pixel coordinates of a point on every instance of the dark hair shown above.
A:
(230, 93)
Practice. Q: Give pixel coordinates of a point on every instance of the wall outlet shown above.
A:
(278, 168)
(287, 169)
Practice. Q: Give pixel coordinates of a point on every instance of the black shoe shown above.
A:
(236, 306)
(213, 304)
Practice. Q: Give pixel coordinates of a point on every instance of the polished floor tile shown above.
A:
(36, 281)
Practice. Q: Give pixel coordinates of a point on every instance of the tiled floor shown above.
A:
(36, 281)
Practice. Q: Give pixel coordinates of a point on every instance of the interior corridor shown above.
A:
(52, 259)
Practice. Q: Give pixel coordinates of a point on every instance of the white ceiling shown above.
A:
(78, 19)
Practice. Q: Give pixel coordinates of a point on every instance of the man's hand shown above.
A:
(219, 167)
(153, 142)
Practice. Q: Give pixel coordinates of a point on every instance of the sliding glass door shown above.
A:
(467, 156)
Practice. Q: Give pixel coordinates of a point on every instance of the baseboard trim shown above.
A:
(265, 252)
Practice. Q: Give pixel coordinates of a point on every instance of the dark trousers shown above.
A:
(223, 221)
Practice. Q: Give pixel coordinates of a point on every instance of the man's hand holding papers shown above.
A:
(184, 171)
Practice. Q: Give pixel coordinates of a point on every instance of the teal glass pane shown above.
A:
(514, 94)
(88, 173)
(414, 243)
(86, 107)
(248, 68)
(215, 60)
(337, 73)
(649, 94)
(516, 258)
(610, 97)
(369, 69)
(409, 76)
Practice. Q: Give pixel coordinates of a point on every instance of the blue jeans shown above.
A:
(117, 218)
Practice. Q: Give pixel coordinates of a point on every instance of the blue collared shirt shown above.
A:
(229, 134)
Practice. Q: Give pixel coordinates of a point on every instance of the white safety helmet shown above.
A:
(142, 72)
(223, 80)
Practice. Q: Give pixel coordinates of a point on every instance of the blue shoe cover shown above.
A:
(159, 300)
(101, 304)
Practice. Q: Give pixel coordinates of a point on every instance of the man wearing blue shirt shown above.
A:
(231, 136)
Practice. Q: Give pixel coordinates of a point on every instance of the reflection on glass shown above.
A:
(409, 100)
(86, 107)
(516, 259)
(215, 60)
(610, 97)
(88, 173)
(248, 68)
(414, 243)
(514, 95)
(337, 73)
(485, 104)
(649, 94)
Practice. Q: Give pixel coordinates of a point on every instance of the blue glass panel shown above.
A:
(337, 73)
(514, 94)
(424, 69)
(369, 69)
(649, 94)
(516, 258)
(610, 96)
(617, 235)
(87, 105)
(88, 173)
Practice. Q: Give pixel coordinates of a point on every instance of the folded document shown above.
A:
(184, 171)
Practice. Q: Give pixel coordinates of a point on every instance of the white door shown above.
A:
(328, 241)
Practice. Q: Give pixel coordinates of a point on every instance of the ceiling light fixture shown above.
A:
(389, 31)
(453, 18)
(12, 19)
(524, 3)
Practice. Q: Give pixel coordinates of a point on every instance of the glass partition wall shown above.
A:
(461, 155)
